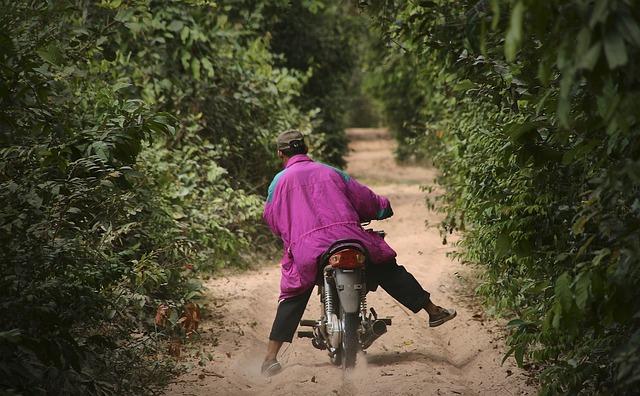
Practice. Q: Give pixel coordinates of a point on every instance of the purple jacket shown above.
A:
(310, 206)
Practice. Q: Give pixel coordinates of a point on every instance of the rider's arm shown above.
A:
(369, 205)
(270, 219)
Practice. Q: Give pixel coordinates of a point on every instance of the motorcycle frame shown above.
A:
(348, 288)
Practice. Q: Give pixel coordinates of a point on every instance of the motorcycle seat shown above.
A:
(343, 244)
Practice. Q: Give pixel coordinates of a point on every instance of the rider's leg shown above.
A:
(273, 347)
(286, 322)
(399, 283)
(402, 286)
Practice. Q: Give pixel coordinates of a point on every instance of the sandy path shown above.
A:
(461, 357)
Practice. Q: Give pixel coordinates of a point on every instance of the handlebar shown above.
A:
(379, 232)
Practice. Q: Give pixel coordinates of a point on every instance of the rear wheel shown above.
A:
(336, 358)
(350, 344)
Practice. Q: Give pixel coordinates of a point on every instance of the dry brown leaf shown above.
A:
(161, 315)
(190, 318)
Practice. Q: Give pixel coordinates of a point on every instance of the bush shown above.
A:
(528, 110)
(133, 142)
(320, 38)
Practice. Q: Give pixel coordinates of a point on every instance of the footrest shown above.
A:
(386, 321)
(308, 322)
(305, 334)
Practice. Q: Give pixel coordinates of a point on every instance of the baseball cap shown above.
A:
(286, 138)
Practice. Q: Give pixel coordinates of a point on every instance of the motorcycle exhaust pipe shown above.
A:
(378, 328)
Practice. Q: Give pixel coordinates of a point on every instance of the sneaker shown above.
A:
(443, 316)
(271, 368)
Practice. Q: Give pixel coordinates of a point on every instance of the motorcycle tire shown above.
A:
(336, 358)
(350, 343)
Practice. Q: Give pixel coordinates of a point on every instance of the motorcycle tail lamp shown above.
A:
(347, 259)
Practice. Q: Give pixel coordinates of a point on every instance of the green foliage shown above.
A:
(320, 38)
(392, 80)
(71, 222)
(529, 109)
(194, 61)
(135, 149)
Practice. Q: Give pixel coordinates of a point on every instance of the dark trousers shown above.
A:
(393, 278)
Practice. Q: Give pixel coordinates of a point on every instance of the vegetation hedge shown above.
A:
(136, 143)
(530, 111)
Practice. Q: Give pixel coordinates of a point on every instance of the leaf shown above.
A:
(630, 30)
(51, 53)
(585, 246)
(464, 85)
(191, 314)
(184, 34)
(184, 59)
(195, 68)
(590, 58)
(516, 323)
(208, 66)
(34, 200)
(13, 336)
(106, 183)
(120, 85)
(506, 355)
(563, 291)
(161, 315)
(564, 103)
(578, 225)
(614, 49)
(582, 41)
(556, 315)
(608, 101)
(599, 13)
(101, 149)
(175, 26)
(109, 54)
(545, 69)
(495, 14)
(600, 254)
(518, 354)
(522, 132)
(582, 289)
(124, 15)
(514, 34)
(503, 244)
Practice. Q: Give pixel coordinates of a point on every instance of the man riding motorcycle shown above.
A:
(310, 206)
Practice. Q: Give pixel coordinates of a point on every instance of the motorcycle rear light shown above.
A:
(347, 259)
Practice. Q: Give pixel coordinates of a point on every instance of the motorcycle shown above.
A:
(345, 326)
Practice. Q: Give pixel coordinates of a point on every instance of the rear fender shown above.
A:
(349, 283)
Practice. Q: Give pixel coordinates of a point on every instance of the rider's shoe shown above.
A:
(270, 368)
(444, 315)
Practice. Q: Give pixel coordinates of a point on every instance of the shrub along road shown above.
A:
(461, 357)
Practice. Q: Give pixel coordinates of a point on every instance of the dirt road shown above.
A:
(462, 357)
